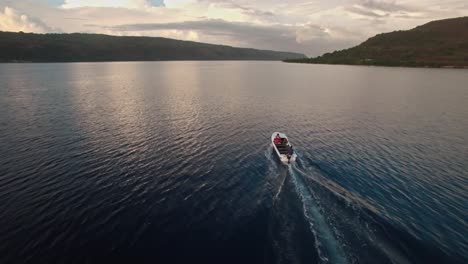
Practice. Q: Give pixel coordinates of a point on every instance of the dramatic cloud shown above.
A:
(385, 6)
(12, 20)
(236, 5)
(112, 3)
(308, 26)
(209, 26)
(310, 32)
(301, 38)
(234, 33)
(379, 9)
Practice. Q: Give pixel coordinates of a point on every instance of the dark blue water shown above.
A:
(170, 162)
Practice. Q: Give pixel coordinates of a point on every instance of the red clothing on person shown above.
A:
(277, 140)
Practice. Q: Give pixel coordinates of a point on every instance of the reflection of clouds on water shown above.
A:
(182, 88)
(111, 111)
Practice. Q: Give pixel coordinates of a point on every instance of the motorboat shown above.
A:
(283, 148)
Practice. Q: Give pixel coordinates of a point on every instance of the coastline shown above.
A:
(462, 67)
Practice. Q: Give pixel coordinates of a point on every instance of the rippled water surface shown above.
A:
(170, 162)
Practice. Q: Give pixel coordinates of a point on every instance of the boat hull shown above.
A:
(281, 150)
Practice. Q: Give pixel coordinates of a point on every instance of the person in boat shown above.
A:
(277, 139)
(290, 151)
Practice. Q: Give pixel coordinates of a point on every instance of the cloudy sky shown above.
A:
(311, 27)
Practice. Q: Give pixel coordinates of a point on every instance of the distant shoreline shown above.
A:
(80, 47)
(462, 67)
(214, 60)
(233, 60)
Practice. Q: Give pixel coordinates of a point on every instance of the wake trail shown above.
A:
(273, 170)
(328, 247)
(279, 190)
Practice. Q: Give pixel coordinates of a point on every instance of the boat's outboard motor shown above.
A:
(290, 153)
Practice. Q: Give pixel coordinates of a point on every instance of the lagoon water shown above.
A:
(170, 162)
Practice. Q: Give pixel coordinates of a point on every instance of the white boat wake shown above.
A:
(328, 247)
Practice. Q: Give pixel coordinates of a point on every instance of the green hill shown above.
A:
(29, 47)
(442, 43)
